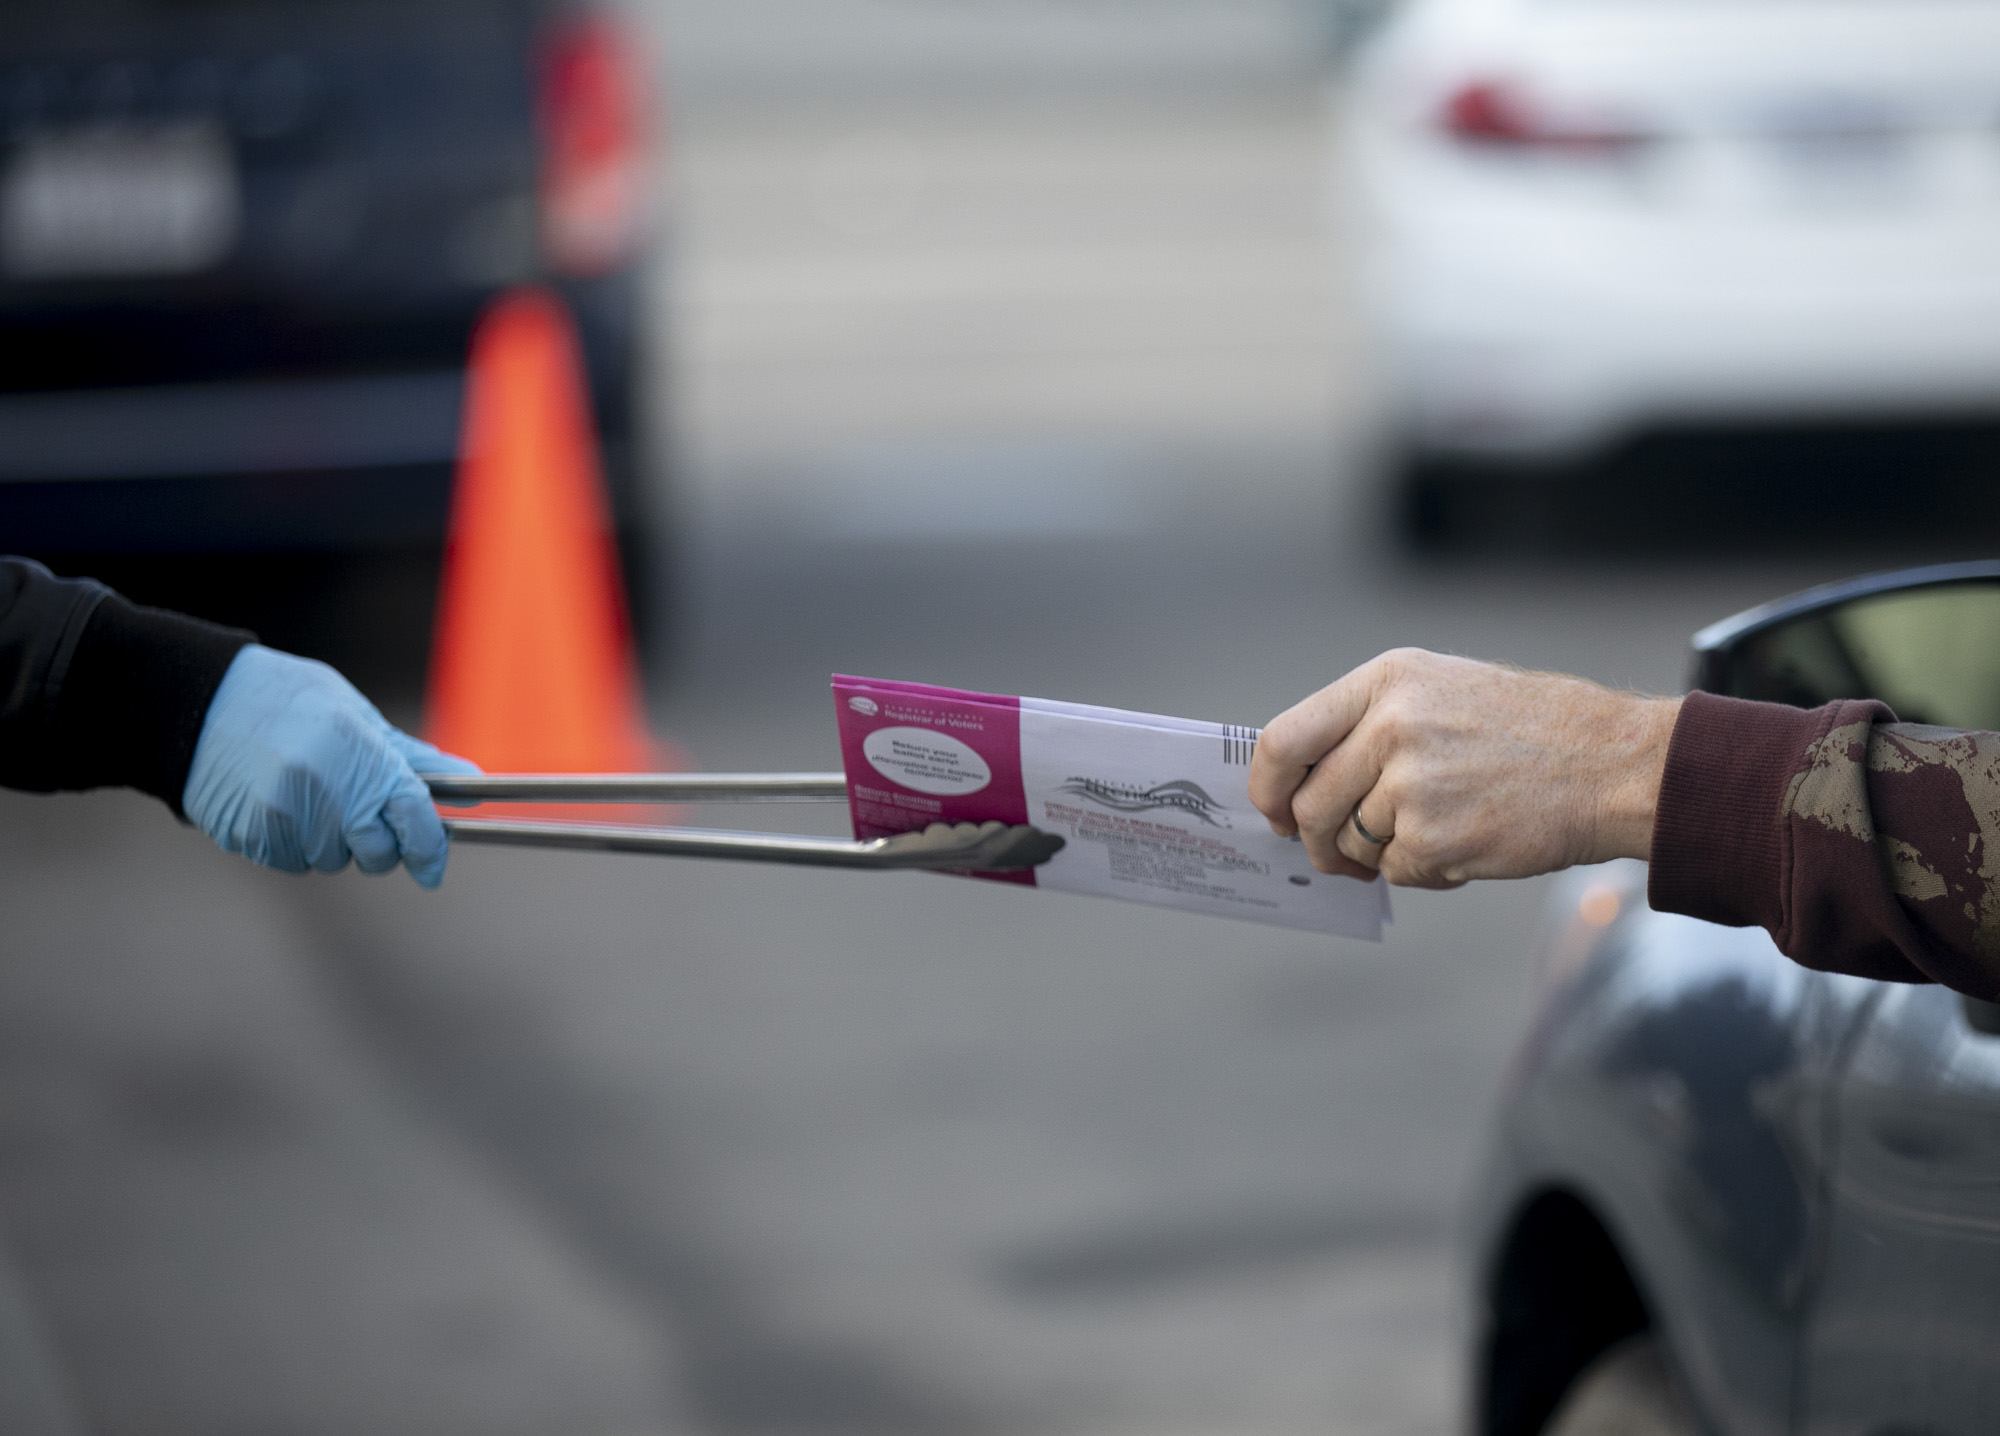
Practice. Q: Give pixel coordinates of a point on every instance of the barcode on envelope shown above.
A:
(1238, 744)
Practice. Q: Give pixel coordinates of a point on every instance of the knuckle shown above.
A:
(1395, 720)
(1313, 811)
(1407, 871)
(1417, 847)
(1429, 865)
(1402, 663)
(1278, 744)
(1324, 856)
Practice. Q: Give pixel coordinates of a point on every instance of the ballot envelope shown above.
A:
(1151, 809)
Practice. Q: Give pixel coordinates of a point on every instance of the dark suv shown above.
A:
(243, 244)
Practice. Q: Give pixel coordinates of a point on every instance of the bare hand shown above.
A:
(1463, 770)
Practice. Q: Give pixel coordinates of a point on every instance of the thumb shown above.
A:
(429, 761)
(418, 830)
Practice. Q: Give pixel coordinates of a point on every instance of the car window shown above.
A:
(1932, 654)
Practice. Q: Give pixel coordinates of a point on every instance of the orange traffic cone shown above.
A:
(532, 665)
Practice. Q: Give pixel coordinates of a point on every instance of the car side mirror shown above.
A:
(1926, 641)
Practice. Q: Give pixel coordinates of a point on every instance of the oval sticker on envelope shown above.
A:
(926, 762)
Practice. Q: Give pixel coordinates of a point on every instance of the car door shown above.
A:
(1904, 1339)
(1902, 1333)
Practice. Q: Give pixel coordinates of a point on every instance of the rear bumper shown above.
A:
(1544, 322)
(319, 511)
(336, 464)
(272, 426)
(349, 458)
(1578, 377)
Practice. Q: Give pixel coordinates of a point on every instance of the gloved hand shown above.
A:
(295, 769)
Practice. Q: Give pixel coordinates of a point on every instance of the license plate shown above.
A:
(115, 201)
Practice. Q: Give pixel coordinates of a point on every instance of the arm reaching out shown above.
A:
(1437, 770)
(1862, 845)
(274, 757)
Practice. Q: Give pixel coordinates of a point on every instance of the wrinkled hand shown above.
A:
(295, 769)
(1463, 770)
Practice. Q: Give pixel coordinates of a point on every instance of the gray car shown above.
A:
(1729, 1194)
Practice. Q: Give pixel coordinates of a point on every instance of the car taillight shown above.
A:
(1489, 113)
(594, 130)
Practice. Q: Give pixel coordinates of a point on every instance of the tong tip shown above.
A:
(991, 846)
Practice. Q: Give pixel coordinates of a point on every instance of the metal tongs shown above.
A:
(945, 847)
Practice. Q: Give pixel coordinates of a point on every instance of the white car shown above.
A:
(1585, 219)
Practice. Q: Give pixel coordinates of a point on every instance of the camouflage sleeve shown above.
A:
(1863, 845)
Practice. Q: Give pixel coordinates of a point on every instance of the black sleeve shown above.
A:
(99, 692)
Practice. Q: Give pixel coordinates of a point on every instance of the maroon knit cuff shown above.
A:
(1718, 839)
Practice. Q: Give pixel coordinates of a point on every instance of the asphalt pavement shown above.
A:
(1049, 388)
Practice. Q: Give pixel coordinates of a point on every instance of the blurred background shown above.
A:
(1169, 354)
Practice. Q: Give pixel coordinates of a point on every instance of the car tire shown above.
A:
(1628, 1390)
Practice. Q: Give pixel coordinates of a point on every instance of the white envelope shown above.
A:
(1152, 809)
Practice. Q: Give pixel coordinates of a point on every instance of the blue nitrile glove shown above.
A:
(295, 769)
